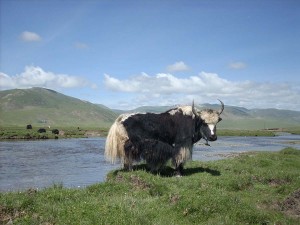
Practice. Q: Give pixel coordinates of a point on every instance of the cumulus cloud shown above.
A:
(177, 66)
(36, 77)
(28, 36)
(166, 83)
(237, 65)
(167, 89)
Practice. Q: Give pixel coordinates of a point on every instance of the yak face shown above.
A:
(209, 119)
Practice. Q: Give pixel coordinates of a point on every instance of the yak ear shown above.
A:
(219, 119)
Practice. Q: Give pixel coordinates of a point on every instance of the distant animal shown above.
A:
(156, 138)
(55, 131)
(28, 127)
(42, 130)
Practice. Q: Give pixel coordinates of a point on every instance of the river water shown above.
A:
(80, 162)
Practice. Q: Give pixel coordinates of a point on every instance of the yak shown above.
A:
(159, 137)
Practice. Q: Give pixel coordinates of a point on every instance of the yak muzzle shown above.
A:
(213, 138)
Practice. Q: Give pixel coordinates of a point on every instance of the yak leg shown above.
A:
(183, 154)
(128, 159)
(179, 170)
(156, 153)
(128, 163)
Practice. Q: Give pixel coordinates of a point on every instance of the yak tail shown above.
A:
(115, 141)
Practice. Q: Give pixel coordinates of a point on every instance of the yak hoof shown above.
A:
(177, 174)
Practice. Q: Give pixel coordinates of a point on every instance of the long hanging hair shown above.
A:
(115, 141)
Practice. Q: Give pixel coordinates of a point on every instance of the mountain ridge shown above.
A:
(43, 107)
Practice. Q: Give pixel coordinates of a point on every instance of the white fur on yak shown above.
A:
(156, 138)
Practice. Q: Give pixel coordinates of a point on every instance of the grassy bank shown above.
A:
(262, 133)
(15, 133)
(245, 133)
(253, 188)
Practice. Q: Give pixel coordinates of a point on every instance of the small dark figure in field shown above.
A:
(55, 131)
(42, 130)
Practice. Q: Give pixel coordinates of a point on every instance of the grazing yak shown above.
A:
(41, 130)
(156, 138)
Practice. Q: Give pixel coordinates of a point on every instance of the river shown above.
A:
(80, 162)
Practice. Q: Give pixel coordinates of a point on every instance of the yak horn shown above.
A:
(222, 107)
(193, 109)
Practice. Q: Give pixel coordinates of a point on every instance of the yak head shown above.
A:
(208, 119)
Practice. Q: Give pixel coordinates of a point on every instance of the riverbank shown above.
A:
(21, 133)
(252, 188)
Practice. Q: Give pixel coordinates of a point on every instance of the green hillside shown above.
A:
(44, 107)
(242, 118)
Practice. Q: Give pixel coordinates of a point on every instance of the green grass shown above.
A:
(15, 133)
(253, 188)
(265, 133)
(227, 132)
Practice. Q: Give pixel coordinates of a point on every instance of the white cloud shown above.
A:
(167, 89)
(168, 84)
(177, 66)
(28, 36)
(237, 65)
(37, 77)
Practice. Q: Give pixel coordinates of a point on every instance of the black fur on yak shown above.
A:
(156, 138)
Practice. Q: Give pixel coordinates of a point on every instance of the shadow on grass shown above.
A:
(168, 171)
(190, 171)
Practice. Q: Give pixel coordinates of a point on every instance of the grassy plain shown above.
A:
(252, 188)
(15, 132)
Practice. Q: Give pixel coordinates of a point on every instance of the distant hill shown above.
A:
(241, 118)
(44, 107)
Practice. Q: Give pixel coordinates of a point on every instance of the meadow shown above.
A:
(251, 188)
(15, 132)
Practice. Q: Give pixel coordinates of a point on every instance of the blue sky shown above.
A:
(126, 54)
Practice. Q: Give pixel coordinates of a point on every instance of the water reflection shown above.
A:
(71, 162)
(81, 162)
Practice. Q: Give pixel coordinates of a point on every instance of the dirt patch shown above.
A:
(291, 205)
(138, 183)
(4, 215)
(120, 178)
(278, 182)
(7, 215)
(174, 199)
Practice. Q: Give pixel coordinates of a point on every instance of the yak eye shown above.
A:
(220, 119)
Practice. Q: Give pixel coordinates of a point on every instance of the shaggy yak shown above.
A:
(156, 138)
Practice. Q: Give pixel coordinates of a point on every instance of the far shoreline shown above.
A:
(21, 133)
